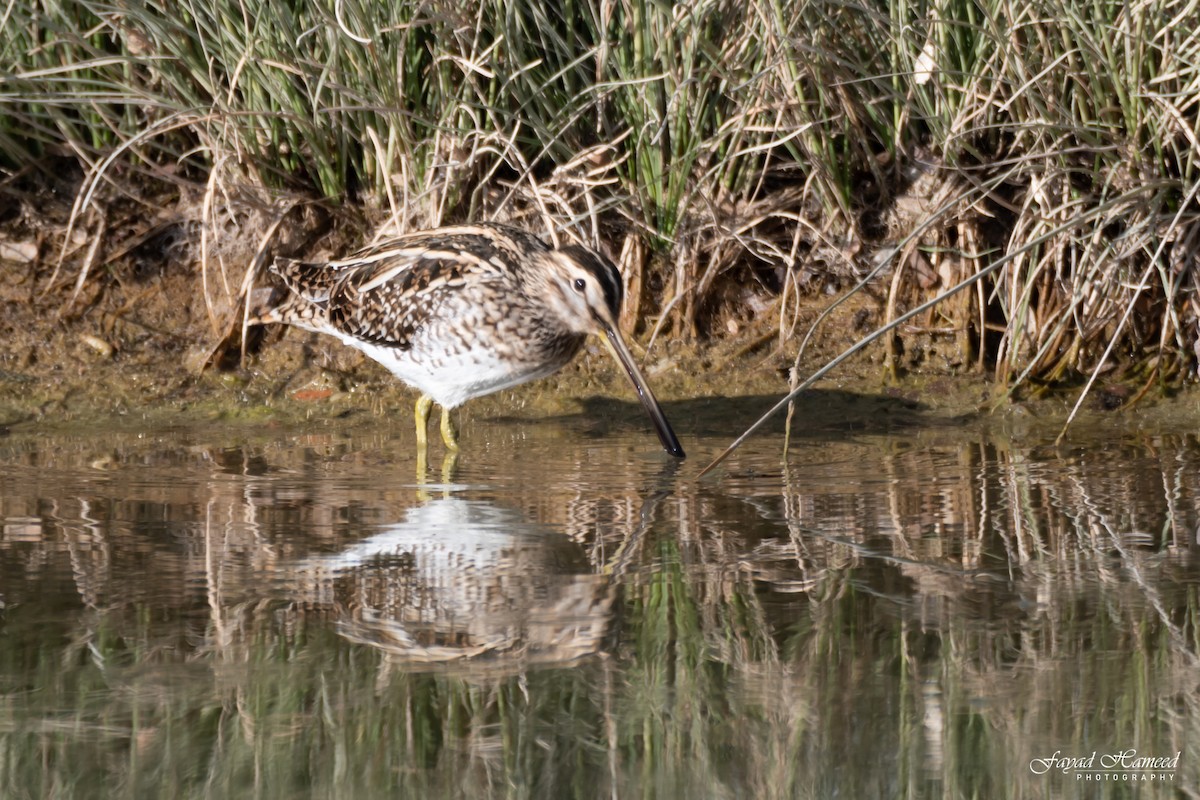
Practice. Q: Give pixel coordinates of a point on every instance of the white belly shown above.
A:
(453, 378)
(468, 351)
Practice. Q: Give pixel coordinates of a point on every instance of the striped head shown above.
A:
(584, 289)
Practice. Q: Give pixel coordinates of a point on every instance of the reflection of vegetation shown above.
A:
(920, 622)
(737, 155)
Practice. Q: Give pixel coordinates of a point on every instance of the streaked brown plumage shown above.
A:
(460, 312)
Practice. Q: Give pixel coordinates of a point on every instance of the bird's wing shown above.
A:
(386, 292)
(388, 299)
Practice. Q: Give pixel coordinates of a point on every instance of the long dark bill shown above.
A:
(620, 352)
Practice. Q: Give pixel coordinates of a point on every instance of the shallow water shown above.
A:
(566, 612)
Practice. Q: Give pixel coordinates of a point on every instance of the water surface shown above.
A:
(220, 611)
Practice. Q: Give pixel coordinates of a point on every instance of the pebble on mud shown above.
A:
(96, 343)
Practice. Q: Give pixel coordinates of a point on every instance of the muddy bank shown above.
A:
(138, 354)
(148, 336)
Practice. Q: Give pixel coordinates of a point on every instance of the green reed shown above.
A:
(744, 146)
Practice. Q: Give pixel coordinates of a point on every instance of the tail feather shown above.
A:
(312, 281)
(301, 300)
(281, 305)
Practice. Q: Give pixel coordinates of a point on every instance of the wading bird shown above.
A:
(460, 312)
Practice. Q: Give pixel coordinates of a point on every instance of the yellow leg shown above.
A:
(449, 460)
(422, 415)
(448, 435)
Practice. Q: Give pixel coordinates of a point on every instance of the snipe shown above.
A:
(461, 312)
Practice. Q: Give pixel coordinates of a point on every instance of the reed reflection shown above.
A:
(939, 609)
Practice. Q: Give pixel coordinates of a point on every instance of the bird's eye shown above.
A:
(580, 285)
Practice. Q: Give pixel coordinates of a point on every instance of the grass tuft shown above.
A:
(739, 158)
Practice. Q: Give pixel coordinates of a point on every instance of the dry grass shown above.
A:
(1032, 166)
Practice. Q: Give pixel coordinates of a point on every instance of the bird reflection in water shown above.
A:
(465, 580)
